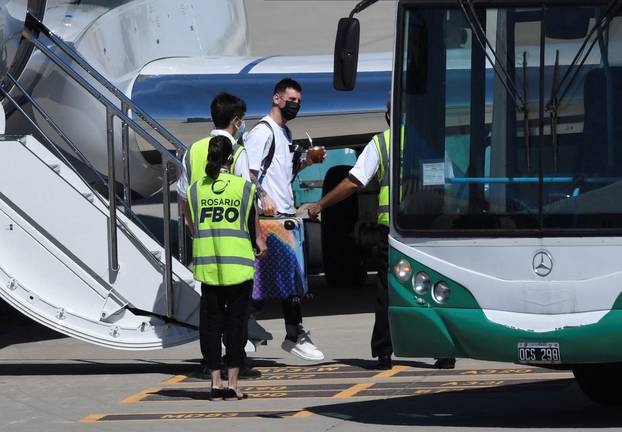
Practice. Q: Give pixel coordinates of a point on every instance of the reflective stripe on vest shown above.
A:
(197, 158)
(237, 151)
(383, 142)
(222, 249)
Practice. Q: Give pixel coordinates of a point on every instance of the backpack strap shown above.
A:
(297, 150)
(267, 161)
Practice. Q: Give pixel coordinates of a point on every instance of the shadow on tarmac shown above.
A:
(85, 367)
(371, 364)
(183, 367)
(16, 328)
(546, 404)
(263, 362)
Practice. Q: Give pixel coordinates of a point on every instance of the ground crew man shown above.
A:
(374, 161)
(228, 116)
(225, 230)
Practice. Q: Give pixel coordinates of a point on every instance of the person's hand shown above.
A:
(314, 210)
(268, 206)
(262, 247)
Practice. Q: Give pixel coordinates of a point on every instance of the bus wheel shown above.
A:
(343, 263)
(601, 382)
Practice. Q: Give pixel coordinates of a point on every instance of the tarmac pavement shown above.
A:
(54, 383)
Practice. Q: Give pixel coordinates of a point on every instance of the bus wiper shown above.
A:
(526, 115)
(603, 24)
(553, 108)
(480, 35)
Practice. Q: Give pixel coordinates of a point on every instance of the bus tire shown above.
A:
(313, 247)
(601, 382)
(343, 263)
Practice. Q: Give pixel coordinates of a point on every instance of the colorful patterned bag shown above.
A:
(281, 274)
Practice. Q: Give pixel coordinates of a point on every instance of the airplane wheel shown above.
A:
(343, 263)
(601, 382)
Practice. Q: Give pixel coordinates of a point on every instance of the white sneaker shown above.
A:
(250, 347)
(303, 348)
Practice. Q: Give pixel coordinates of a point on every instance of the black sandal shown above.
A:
(216, 393)
(230, 394)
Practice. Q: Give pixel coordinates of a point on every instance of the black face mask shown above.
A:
(290, 110)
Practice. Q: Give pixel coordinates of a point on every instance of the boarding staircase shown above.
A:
(78, 260)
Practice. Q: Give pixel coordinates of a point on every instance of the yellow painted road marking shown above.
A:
(449, 387)
(92, 418)
(389, 373)
(291, 373)
(352, 390)
(140, 395)
(195, 415)
(306, 369)
(397, 377)
(174, 380)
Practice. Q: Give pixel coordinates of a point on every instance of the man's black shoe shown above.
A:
(204, 372)
(384, 362)
(249, 373)
(216, 393)
(445, 363)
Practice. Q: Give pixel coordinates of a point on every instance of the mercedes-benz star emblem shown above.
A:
(542, 263)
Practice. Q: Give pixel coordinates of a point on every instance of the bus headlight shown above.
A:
(421, 283)
(402, 270)
(441, 292)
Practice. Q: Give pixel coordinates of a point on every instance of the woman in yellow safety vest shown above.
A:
(227, 238)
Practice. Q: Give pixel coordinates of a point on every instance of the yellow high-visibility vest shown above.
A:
(222, 249)
(197, 156)
(383, 143)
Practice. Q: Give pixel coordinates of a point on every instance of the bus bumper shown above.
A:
(467, 333)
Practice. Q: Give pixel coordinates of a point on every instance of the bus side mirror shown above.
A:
(346, 54)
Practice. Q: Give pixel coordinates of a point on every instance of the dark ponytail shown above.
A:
(220, 149)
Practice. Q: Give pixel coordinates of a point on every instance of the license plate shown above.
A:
(534, 352)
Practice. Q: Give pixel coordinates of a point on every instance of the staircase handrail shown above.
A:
(33, 29)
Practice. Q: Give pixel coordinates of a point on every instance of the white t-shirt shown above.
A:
(367, 165)
(278, 178)
(240, 169)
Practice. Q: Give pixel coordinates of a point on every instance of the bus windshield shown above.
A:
(509, 120)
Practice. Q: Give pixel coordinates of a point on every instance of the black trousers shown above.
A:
(291, 308)
(381, 336)
(224, 311)
(292, 311)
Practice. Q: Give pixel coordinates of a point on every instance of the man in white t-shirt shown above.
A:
(273, 168)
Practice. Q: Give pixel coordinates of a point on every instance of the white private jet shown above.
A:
(124, 88)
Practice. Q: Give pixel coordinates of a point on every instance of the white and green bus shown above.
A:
(506, 188)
